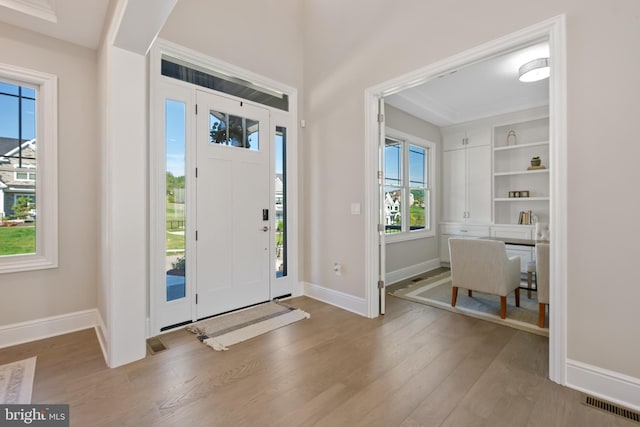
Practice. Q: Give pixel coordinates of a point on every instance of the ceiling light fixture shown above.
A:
(535, 70)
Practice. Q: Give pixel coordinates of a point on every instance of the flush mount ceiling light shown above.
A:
(535, 70)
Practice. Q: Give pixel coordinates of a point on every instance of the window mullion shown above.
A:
(406, 188)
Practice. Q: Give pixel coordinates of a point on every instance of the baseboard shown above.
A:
(20, 333)
(336, 298)
(615, 387)
(101, 333)
(411, 271)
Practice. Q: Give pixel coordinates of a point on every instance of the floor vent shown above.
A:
(611, 408)
(155, 345)
(417, 279)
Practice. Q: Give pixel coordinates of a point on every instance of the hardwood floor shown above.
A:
(415, 366)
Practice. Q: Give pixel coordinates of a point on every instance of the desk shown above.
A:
(522, 242)
(516, 242)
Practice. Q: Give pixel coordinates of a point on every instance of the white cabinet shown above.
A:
(466, 176)
(459, 230)
(517, 187)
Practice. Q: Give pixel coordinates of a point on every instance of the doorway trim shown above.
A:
(288, 284)
(553, 29)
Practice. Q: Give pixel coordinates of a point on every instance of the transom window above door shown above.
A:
(233, 131)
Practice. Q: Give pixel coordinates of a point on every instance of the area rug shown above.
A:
(16, 381)
(223, 331)
(436, 291)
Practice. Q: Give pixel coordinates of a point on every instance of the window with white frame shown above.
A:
(28, 175)
(408, 183)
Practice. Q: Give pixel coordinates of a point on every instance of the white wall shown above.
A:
(261, 36)
(350, 46)
(72, 286)
(404, 255)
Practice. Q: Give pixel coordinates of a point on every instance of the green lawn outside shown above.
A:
(175, 241)
(17, 240)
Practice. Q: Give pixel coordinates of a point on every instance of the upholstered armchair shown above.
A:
(483, 265)
(542, 280)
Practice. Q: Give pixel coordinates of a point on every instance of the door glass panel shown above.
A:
(281, 201)
(234, 131)
(175, 135)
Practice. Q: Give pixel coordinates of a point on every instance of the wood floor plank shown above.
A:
(415, 366)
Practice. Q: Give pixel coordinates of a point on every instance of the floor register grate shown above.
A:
(155, 345)
(611, 408)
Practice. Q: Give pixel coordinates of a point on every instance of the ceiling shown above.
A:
(477, 91)
(75, 21)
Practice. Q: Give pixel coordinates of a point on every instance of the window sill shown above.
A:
(20, 263)
(404, 237)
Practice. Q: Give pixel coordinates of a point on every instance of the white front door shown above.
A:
(232, 205)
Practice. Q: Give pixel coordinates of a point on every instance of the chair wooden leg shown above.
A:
(454, 295)
(517, 292)
(503, 307)
(529, 283)
(470, 293)
(541, 312)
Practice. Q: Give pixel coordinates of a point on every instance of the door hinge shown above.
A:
(196, 298)
(380, 284)
(465, 141)
(380, 118)
(380, 175)
(380, 228)
(196, 172)
(196, 109)
(196, 234)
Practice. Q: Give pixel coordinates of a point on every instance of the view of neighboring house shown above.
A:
(17, 174)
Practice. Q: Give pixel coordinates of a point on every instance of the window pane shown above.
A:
(281, 201)
(10, 89)
(17, 170)
(218, 128)
(175, 135)
(417, 219)
(28, 119)
(417, 157)
(9, 122)
(393, 210)
(225, 129)
(393, 162)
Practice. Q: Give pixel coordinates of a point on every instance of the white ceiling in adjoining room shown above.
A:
(477, 91)
(75, 21)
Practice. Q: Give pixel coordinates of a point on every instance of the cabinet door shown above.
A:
(453, 140)
(479, 184)
(477, 137)
(453, 185)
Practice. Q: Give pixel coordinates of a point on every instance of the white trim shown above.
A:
(102, 334)
(32, 330)
(336, 298)
(612, 386)
(555, 30)
(46, 255)
(411, 271)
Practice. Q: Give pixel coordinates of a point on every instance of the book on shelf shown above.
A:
(525, 217)
(532, 168)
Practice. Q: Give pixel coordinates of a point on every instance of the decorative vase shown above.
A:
(535, 161)
(512, 139)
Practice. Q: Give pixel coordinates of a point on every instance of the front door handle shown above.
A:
(265, 228)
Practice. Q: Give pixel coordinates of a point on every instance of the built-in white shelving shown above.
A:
(511, 173)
